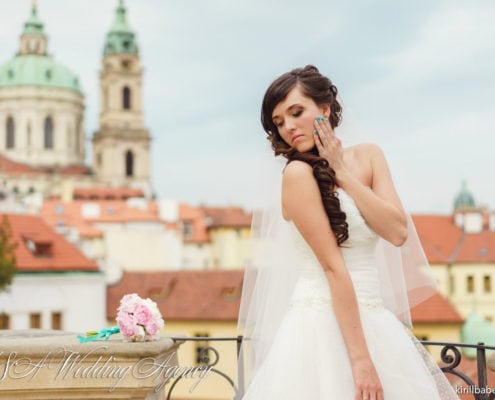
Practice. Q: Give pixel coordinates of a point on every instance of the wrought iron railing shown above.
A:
(451, 357)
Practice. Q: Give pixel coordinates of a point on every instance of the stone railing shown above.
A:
(47, 365)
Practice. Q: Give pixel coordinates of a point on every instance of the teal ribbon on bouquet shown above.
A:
(102, 334)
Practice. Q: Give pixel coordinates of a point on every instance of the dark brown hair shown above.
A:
(319, 88)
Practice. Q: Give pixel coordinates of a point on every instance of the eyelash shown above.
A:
(295, 114)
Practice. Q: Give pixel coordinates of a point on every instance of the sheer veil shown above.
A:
(273, 268)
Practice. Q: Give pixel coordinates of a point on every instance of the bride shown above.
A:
(324, 314)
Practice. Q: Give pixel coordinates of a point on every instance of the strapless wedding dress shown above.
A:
(308, 359)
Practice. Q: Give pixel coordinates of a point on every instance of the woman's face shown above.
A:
(294, 117)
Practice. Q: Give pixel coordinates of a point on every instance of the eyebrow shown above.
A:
(288, 109)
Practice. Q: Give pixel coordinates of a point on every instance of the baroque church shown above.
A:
(42, 137)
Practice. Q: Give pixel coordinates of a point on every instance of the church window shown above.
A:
(48, 133)
(126, 64)
(10, 74)
(48, 74)
(69, 137)
(10, 142)
(129, 163)
(126, 98)
(28, 138)
(78, 136)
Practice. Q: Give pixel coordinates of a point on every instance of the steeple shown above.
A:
(464, 199)
(121, 146)
(120, 39)
(33, 38)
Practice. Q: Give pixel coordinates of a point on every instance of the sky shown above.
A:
(415, 77)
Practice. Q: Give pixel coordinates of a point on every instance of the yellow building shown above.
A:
(202, 304)
(461, 250)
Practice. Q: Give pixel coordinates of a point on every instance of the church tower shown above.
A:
(121, 146)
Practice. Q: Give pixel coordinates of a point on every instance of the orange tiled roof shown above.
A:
(13, 167)
(227, 217)
(183, 295)
(60, 256)
(443, 241)
(437, 309)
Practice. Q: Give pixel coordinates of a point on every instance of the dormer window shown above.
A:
(39, 247)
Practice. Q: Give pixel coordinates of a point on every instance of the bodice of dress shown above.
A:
(359, 255)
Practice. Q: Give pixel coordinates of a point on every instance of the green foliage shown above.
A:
(7, 254)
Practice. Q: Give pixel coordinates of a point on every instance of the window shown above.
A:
(4, 321)
(126, 98)
(126, 64)
(48, 133)
(470, 284)
(57, 320)
(10, 142)
(487, 283)
(35, 320)
(28, 136)
(69, 137)
(202, 348)
(129, 163)
(39, 247)
(78, 136)
(187, 229)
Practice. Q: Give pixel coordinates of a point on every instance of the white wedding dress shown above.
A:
(308, 359)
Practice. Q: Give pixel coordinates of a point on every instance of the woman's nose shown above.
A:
(290, 125)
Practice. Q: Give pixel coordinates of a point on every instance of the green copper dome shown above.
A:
(120, 39)
(33, 25)
(37, 70)
(477, 329)
(464, 198)
(32, 66)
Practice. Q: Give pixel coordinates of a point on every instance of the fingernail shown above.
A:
(315, 132)
(320, 118)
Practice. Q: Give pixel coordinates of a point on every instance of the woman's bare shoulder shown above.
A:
(297, 169)
(364, 149)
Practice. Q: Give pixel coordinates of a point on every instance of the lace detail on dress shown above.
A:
(324, 303)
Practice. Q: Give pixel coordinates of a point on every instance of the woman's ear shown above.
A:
(325, 108)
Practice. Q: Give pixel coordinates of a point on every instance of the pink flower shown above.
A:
(139, 319)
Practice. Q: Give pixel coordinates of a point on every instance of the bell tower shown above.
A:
(121, 146)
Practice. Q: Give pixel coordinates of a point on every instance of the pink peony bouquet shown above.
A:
(139, 319)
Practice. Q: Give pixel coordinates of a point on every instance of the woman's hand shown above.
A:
(328, 145)
(366, 380)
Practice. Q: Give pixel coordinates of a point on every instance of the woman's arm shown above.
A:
(380, 206)
(301, 200)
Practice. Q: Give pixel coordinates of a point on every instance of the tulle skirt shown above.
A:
(309, 360)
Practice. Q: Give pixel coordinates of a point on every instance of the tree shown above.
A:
(7, 254)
